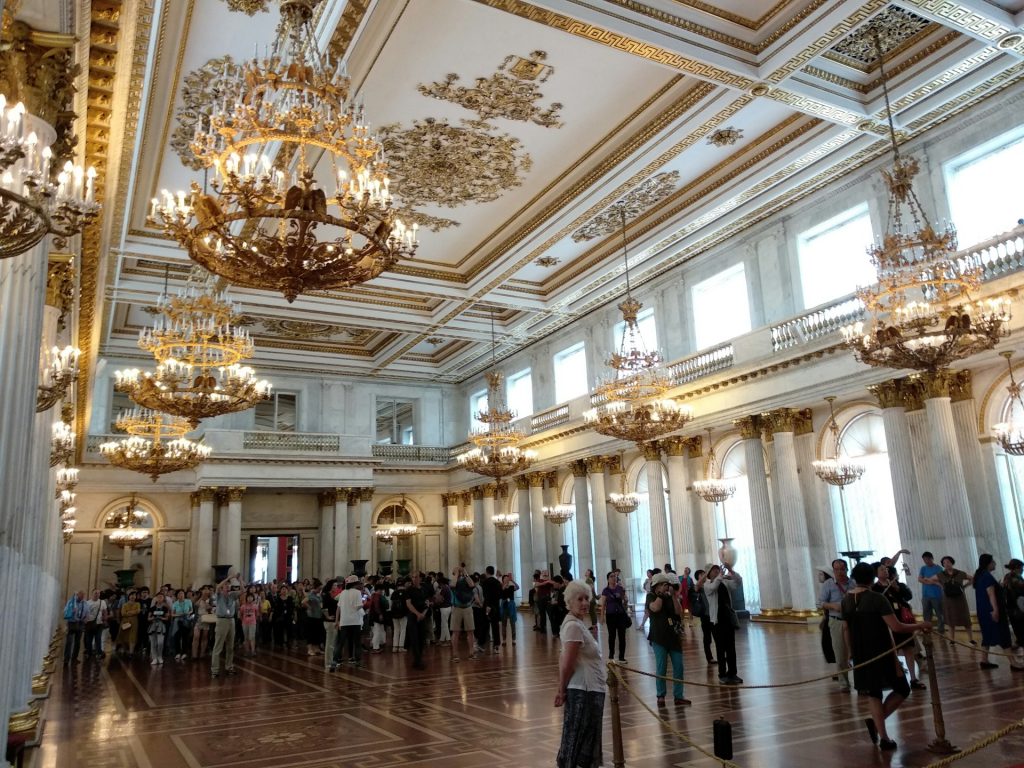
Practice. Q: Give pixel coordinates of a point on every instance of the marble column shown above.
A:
(557, 534)
(366, 526)
(619, 524)
(193, 539)
(450, 504)
(821, 533)
(679, 497)
(479, 558)
(343, 560)
(204, 544)
(338, 561)
(924, 471)
(490, 533)
(796, 542)
(583, 557)
(660, 545)
(898, 445)
(466, 542)
(538, 539)
(984, 513)
(328, 501)
(229, 532)
(525, 533)
(768, 575)
(702, 513)
(768, 440)
(954, 505)
(504, 545)
(602, 561)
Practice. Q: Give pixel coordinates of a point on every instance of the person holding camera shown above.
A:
(666, 617)
(723, 620)
(462, 611)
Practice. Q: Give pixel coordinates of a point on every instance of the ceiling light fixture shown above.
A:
(837, 470)
(713, 488)
(1010, 434)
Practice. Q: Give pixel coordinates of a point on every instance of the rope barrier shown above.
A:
(792, 684)
(989, 740)
(616, 670)
(978, 649)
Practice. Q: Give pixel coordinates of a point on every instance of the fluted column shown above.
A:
(328, 501)
(761, 514)
(820, 528)
(584, 556)
(193, 539)
(338, 560)
(602, 561)
(490, 532)
(204, 544)
(450, 504)
(797, 545)
(683, 545)
(768, 440)
(229, 532)
(953, 502)
(984, 513)
(557, 534)
(660, 545)
(901, 464)
(343, 560)
(924, 468)
(618, 523)
(366, 525)
(466, 542)
(479, 551)
(538, 538)
(525, 530)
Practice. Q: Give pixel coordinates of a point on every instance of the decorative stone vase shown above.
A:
(727, 553)
(565, 563)
(125, 577)
(359, 567)
(221, 572)
(404, 566)
(384, 567)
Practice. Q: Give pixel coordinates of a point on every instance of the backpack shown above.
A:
(69, 610)
(699, 604)
(463, 594)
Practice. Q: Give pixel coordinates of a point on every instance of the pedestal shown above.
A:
(359, 567)
(125, 577)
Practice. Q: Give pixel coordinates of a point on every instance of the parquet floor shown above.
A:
(285, 710)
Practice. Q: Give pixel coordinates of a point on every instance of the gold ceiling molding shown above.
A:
(304, 329)
(203, 90)
(889, 30)
(511, 92)
(721, 13)
(967, 99)
(960, 16)
(435, 162)
(635, 202)
(248, 7)
(425, 220)
(351, 18)
(679, 22)
(948, 75)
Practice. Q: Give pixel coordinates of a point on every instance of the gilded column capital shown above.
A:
(913, 394)
(552, 478)
(222, 497)
(466, 497)
(478, 492)
(327, 498)
(934, 384)
(652, 451)
(447, 499)
(675, 446)
(694, 446)
(490, 490)
(779, 420)
(803, 422)
(961, 386)
(535, 479)
(522, 482)
(236, 492)
(502, 490)
(352, 498)
(614, 465)
(888, 393)
(366, 494)
(596, 465)
(194, 498)
(579, 467)
(38, 68)
(749, 427)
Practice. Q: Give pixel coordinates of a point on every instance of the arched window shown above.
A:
(733, 519)
(1011, 479)
(864, 513)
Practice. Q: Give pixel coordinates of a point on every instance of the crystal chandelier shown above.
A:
(560, 514)
(837, 470)
(274, 229)
(496, 453)
(713, 487)
(463, 527)
(32, 204)
(920, 314)
(59, 371)
(126, 522)
(1009, 434)
(157, 444)
(66, 479)
(630, 404)
(622, 502)
(506, 521)
(198, 348)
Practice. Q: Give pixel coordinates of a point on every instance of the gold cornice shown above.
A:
(679, 22)
(751, 24)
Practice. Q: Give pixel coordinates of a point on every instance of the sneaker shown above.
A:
(229, 671)
(683, 702)
(886, 744)
(497, 650)
(152, 663)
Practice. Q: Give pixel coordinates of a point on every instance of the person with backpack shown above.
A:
(462, 611)
(443, 603)
(699, 610)
(378, 606)
(74, 615)
(399, 618)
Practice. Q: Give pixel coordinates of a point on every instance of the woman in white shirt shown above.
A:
(350, 624)
(581, 684)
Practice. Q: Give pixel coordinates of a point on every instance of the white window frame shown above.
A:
(853, 248)
(477, 403)
(513, 383)
(571, 383)
(275, 399)
(704, 319)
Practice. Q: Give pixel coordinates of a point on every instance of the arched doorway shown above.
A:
(128, 527)
(394, 553)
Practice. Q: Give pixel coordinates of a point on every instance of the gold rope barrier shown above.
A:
(978, 649)
(989, 740)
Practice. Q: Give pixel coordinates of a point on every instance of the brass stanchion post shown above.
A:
(939, 745)
(618, 758)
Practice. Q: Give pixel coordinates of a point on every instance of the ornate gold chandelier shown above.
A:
(59, 372)
(463, 527)
(496, 453)
(62, 442)
(837, 470)
(126, 522)
(713, 488)
(157, 444)
(396, 530)
(920, 314)
(506, 521)
(198, 348)
(33, 204)
(622, 502)
(559, 514)
(631, 404)
(1010, 434)
(275, 229)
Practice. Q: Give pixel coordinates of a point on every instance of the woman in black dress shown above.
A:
(899, 597)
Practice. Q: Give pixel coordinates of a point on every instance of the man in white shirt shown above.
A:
(95, 621)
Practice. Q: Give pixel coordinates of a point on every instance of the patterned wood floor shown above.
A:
(285, 710)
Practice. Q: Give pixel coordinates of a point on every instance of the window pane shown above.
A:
(394, 421)
(264, 412)
(721, 310)
(286, 409)
(983, 188)
(570, 373)
(833, 257)
(477, 403)
(119, 402)
(645, 324)
(520, 393)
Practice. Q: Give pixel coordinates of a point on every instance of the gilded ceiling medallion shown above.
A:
(451, 165)
(435, 341)
(204, 91)
(425, 220)
(894, 26)
(546, 261)
(512, 92)
(248, 7)
(302, 329)
(652, 191)
(725, 137)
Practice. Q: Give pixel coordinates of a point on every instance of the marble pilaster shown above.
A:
(229, 532)
(679, 499)
(479, 556)
(204, 544)
(338, 563)
(328, 501)
(450, 505)
(584, 554)
(661, 548)
(599, 517)
(525, 530)
(761, 514)
(366, 525)
(538, 538)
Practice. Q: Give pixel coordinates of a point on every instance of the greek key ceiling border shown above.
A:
(743, 21)
(960, 16)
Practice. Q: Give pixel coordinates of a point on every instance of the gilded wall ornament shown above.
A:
(425, 220)
(512, 92)
(302, 329)
(894, 26)
(38, 69)
(638, 200)
(725, 137)
(248, 7)
(204, 90)
(450, 165)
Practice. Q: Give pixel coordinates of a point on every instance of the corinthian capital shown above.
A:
(749, 427)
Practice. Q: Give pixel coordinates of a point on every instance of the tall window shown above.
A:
(646, 325)
(833, 256)
(570, 373)
(477, 403)
(395, 421)
(278, 414)
(721, 310)
(983, 188)
(520, 393)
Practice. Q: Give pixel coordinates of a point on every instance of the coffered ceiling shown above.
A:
(704, 117)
